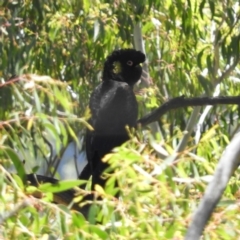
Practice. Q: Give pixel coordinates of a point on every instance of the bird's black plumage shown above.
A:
(113, 107)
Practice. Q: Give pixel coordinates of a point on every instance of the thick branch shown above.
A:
(228, 163)
(180, 102)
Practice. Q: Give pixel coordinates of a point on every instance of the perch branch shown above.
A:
(180, 102)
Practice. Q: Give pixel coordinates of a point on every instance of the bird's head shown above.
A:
(124, 65)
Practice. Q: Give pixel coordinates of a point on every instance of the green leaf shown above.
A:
(205, 83)
(60, 186)
(18, 180)
(230, 14)
(209, 65)
(212, 7)
(201, 6)
(16, 161)
(37, 101)
(98, 231)
(86, 5)
(200, 55)
(78, 219)
(99, 189)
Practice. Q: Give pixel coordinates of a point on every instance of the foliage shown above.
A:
(52, 54)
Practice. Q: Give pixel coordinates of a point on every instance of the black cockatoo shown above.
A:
(113, 106)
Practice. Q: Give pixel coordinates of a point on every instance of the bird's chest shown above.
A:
(115, 118)
(113, 107)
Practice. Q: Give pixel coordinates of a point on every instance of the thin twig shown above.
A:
(228, 71)
(18, 207)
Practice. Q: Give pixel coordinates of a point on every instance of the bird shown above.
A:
(113, 106)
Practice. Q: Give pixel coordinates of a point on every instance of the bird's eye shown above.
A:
(129, 63)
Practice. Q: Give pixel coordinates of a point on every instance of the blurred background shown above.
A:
(51, 57)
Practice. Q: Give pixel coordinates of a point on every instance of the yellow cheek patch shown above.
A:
(117, 67)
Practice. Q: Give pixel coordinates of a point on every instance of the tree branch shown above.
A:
(180, 102)
(225, 168)
(228, 71)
